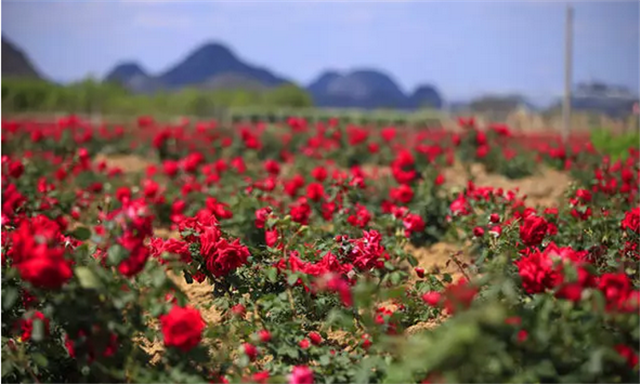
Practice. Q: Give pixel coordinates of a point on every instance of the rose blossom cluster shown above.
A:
(220, 256)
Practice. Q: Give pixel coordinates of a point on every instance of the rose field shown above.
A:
(315, 252)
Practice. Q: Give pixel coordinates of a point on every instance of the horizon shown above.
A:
(470, 48)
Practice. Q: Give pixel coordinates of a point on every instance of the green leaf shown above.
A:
(412, 260)
(293, 352)
(40, 359)
(156, 309)
(9, 297)
(292, 279)
(37, 334)
(87, 278)
(188, 278)
(272, 274)
(595, 361)
(7, 367)
(158, 278)
(116, 254)
(243, 361)
(324, 360)
(81, 233)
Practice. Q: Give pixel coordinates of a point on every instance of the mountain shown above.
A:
(321, 84)
(211, 66)
(15, 63)
(210, 60)
(214, 66)
(133, 77)
(363, 88)
(425, 96)
(124, 72)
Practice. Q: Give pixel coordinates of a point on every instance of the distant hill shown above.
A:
(368, 88)
(357, 89)
(425, 96)
(133, 77)
(15, 63)
(211, 60)
(214, 66)
(125, 72)
(211, 66)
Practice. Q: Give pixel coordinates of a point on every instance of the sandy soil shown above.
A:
(544, 188)
(127, 163)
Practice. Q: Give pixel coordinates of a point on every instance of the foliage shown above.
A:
(90, 96)
(616, 146)
(289, 256)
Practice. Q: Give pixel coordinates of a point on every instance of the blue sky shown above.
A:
(465, 48)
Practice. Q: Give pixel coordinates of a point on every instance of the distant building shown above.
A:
(613, 101)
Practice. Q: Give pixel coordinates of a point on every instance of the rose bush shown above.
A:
(285, 253)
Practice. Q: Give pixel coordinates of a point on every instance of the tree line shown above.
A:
(91, 96)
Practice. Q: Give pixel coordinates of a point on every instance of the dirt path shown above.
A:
(544, 188)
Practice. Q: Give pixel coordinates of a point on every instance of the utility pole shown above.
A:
(568, 59)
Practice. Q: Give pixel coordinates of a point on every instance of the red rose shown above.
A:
(136, 261)
(315, 191)
(16, 169)
(319, 173)
(366, 341)
(300, 211)
(419, 271)
(413, 223)
(271, 237)
(26, 326)
(339, 285)
(250, 350)
(226, 258)
(616, 288)
(537, 272)
(315, 338)
(239, 310)
(632, 220)
(272, 167)
(533, 230)
(182, 328)
(301, 375)
(523, 335)
(460, 294)
(403, 194)
(261, 216)
(432, 298)
(46, 268)
(628, 354)
(304, 343)
(265, 336)
(495, 231)
(260, 377)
